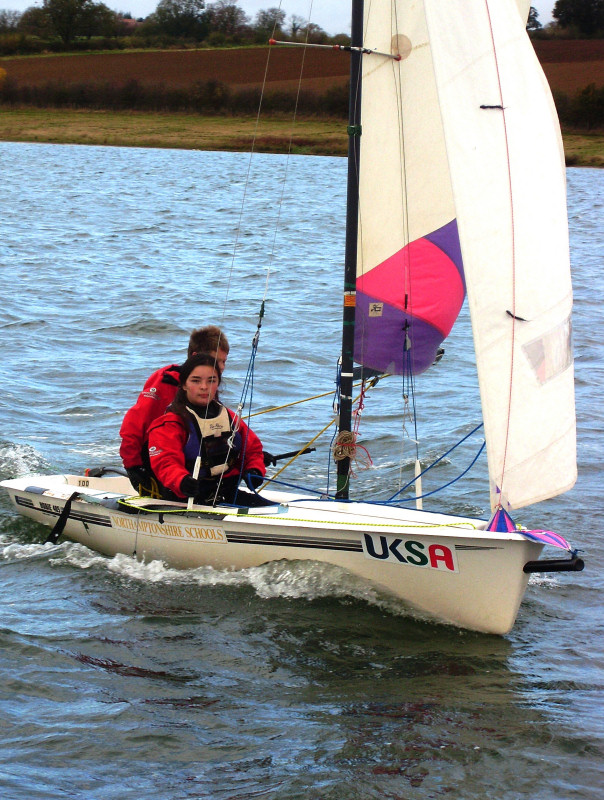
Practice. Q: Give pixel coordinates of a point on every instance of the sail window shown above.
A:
(551, 354)
(401, 46)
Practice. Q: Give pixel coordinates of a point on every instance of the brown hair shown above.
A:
(207, 340)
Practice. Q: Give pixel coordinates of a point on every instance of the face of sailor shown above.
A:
(221, 359)
(201, 385)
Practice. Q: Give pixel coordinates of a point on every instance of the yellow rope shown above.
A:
(321, 432)
(306, 399)
(287, 405)
(222, 514)
(291, 461)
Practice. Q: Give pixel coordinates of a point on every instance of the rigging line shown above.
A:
(513, 243)
(249, 376)
(250, 383)
(196, 468)
(306, 446)
(329, 452)
(382, 519)
(291, 460)
(360, 247)
(440, 488)
(434, 463)
(222, 512)
(231, 270)
(371, 385)
(276, 229)
(289, 149)
(398, 92)
(348, 48)
(245, 189)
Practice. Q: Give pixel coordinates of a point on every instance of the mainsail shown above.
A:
(410, 282)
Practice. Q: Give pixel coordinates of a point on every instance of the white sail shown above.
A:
(409, 270)
(507, 166)
(524, 7)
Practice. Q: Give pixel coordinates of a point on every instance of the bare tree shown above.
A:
(296, 25)
(269, 21)
(227, 17)
(9, 20)
(532, 23)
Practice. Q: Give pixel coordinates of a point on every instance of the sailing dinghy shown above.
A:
(456, 183)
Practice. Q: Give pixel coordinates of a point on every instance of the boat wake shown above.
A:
(20, 459)
(290, 580)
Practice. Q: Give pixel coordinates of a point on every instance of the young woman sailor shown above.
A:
(197, 423)
(157, 394)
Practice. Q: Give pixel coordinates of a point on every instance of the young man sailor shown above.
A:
(158, 393)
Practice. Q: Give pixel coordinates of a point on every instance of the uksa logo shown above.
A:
(409, 551)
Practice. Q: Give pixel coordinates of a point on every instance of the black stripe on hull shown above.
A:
(78, 516)
(281, 540)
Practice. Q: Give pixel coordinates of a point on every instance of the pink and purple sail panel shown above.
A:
(417, 292)
(503, 523)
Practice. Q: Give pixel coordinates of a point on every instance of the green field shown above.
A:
(184, 131)
(193, 132)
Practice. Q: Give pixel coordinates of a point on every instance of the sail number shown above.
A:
(409, 551)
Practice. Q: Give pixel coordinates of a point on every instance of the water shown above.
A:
(123, 680)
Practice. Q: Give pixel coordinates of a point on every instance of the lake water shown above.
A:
(122, 680)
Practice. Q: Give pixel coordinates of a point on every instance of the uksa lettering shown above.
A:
(410, 551)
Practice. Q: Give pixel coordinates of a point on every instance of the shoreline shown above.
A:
(274, 134)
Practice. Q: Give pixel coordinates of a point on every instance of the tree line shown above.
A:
(583, 110)
(59, 25)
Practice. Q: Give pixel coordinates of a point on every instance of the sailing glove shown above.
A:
(254, 479)
(139, 478)
(269, 459)
(189, 486)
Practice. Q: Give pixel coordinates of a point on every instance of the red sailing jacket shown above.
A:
(168, 437)
(158, 392)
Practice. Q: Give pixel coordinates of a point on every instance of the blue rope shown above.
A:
(248, 386)
(327, 496)
(434, 463)
(440, 488)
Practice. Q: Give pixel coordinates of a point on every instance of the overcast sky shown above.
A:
(332, 15)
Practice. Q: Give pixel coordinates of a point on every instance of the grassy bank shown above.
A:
(184, 131)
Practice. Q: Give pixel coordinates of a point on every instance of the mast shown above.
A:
(352, 223)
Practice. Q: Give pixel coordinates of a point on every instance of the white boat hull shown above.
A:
(447, 567)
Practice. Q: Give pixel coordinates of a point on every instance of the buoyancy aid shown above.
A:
(210, 438)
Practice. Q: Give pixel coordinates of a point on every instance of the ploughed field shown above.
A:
(569, 65)
(239, 68)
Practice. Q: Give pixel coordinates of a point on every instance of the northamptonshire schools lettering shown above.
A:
(409, 551)
(202, 534)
